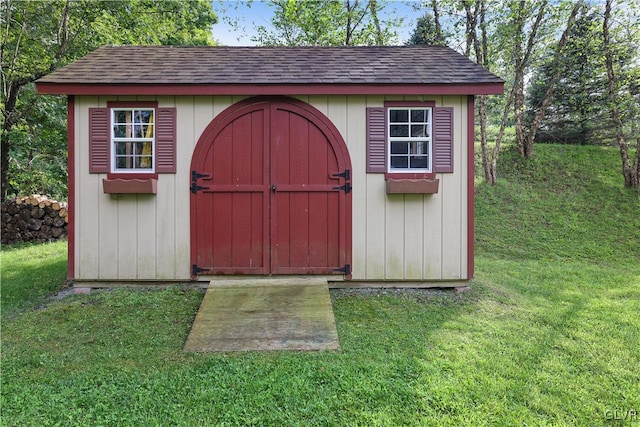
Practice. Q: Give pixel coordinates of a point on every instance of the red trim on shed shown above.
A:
(71, 188)
(132, 104)
(268, 89)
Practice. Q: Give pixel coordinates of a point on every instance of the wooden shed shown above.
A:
(191, 163)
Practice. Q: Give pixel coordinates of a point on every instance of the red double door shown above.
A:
(270, 192)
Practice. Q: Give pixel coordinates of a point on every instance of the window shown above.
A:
(409, 139)
(132, 139)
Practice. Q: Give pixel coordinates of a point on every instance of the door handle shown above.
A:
(274, 188)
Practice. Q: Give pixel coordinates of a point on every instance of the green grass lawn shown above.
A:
(548, 335)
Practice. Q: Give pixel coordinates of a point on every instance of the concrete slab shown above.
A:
(239, 315)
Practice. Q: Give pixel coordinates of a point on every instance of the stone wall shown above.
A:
(33, 218)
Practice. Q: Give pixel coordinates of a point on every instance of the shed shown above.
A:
(190, 163)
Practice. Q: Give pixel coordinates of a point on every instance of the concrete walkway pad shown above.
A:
(264, 314)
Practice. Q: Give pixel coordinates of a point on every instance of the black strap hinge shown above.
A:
(195, 188)
(346, 188)
(346, 175)
(346, 269)
(195, 270)
(196, 176)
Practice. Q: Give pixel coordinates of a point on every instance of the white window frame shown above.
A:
(410, 139)
(115, 139)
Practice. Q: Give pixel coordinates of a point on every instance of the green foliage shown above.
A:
(546, 336)
(425, 32)
(579, 108)
(326, 23)
(40, 36)
(38, 153)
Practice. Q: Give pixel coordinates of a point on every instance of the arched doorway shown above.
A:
(271, 192)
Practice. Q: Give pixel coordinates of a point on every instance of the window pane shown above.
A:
(399, 162)
(145, 162)
(399, 130)
(145, 116)
(144, 148)
(419, 147)
(419, 162)
(120, 131)
(417, 115)
(121, 163)
(399, 116)
(399, 147)
(122, 116)
(138, 132)
(419, 131)
(123, 148)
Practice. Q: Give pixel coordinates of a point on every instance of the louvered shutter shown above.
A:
(443, 139)
(99, 153)
(376, 140)
(166, 140)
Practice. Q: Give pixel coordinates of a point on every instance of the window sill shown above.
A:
(412, 186)
(130, 186)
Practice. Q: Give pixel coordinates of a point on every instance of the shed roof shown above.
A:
(175, 70)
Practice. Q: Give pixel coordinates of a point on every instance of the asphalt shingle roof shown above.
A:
(404, 65)
(219, 65)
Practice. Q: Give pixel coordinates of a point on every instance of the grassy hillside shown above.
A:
(548, 335)
(567, 203)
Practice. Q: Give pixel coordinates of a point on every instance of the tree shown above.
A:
(427, 32)
(326, 23)
(555, 71)
(38, 37)
(576, 108)
(631, 173)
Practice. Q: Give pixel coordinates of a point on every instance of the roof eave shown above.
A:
(159, 89)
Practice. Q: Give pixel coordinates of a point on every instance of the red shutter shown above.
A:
(99, 154)
(376, 140)
(166, 140)
(443, 139)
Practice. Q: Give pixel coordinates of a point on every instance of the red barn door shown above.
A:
(271, 192)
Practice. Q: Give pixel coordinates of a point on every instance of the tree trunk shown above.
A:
(436, 19)
(373, 8)
(9, 114)
(522, 60)
(631, 179)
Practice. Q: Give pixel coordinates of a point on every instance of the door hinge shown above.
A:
(346, 175)
(195, 188)
(195, 270)
(346, 188)
(195, 176)
(346, 269)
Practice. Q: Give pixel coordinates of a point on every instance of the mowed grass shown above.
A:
(548, 335)
(30, 272)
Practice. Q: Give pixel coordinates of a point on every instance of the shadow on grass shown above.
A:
(31, 272)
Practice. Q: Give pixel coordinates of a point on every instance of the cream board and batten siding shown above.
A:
(398, 237)
(147, 237)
